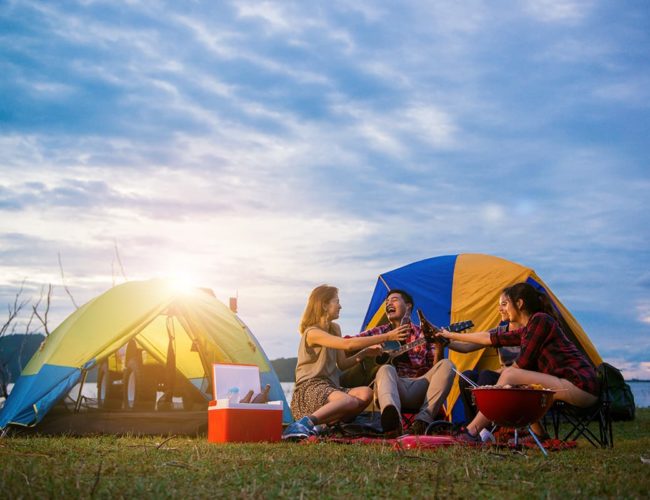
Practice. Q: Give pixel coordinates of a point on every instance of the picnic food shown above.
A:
(538, 387)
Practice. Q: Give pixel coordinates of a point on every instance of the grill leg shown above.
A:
(530, 431)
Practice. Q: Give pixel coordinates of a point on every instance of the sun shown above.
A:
(181, 282)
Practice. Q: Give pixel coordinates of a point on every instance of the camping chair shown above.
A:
(578, 419)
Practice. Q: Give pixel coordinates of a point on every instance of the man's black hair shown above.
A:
(405, 295)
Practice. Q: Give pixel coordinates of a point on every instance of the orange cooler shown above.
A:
(244, 423)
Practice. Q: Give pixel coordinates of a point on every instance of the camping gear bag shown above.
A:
(619, 394)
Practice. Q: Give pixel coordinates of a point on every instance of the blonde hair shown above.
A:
(315, 309)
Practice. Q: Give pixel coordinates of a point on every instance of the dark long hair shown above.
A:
(536, 301)
(533, 300)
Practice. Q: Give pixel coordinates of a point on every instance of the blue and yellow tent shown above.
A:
(206, 332)
(466, 287)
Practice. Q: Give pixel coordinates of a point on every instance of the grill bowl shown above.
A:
(512, 407)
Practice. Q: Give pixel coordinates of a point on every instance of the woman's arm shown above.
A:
(481, 338)
(344, 362)
(465, 347)
(322, 338)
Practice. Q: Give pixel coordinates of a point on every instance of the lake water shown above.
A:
(640, 389)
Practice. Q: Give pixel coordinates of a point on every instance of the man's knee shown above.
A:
(446, 367)
(446, 364)
(386, 370)
(385, 373)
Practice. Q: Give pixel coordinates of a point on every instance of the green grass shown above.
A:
(120, 467)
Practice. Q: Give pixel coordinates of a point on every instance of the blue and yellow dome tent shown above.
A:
(462, 287)
(206, 332)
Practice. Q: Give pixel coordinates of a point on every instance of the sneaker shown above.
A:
(300, 429)
(390, 419)
(465, 437)
(418, 428)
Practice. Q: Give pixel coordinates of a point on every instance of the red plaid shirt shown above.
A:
(545, 348)
(413, 363)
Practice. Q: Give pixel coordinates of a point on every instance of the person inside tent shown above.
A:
(547, 356)
(419, 378)
(317, 397)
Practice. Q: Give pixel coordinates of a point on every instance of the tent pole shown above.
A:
(77, 405)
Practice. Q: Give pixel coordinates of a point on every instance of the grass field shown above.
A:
(119, 467)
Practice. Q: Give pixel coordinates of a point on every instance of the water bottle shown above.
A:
(233, 395)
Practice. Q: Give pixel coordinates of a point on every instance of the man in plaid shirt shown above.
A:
(418, 379)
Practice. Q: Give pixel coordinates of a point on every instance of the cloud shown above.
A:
(644, 312)
(564, 11)
(629, 92)
(274, 15)
(631, 369)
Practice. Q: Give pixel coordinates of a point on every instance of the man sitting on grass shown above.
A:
(418, 379)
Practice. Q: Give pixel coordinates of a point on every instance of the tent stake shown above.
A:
(81, 386)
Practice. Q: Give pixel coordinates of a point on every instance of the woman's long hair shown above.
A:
(533, 300)
(315, 309)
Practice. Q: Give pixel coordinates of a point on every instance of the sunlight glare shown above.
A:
(181, 282)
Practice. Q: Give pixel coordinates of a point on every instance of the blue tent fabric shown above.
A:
(429, 282)
(45, 388)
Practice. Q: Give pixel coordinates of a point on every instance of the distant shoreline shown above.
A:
(637, 380)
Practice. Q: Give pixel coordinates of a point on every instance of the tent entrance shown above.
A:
(144, 374)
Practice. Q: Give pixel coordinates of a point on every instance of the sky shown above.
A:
(262, 148)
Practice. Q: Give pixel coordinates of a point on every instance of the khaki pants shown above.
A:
(426, 393)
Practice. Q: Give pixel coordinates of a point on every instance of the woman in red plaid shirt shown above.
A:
(547, 356)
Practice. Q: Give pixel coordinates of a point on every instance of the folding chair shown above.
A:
(578, 419)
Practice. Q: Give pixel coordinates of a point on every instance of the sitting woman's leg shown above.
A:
(566, 391)
(364, 397)
(341, 405)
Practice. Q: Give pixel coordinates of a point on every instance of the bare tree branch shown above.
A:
(13, 310)
(27, 333)
(65, 287)
(119, 261)
(31, 316)
(43, 319)
(113, 271)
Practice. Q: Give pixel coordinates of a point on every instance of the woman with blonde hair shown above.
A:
(318, 397)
